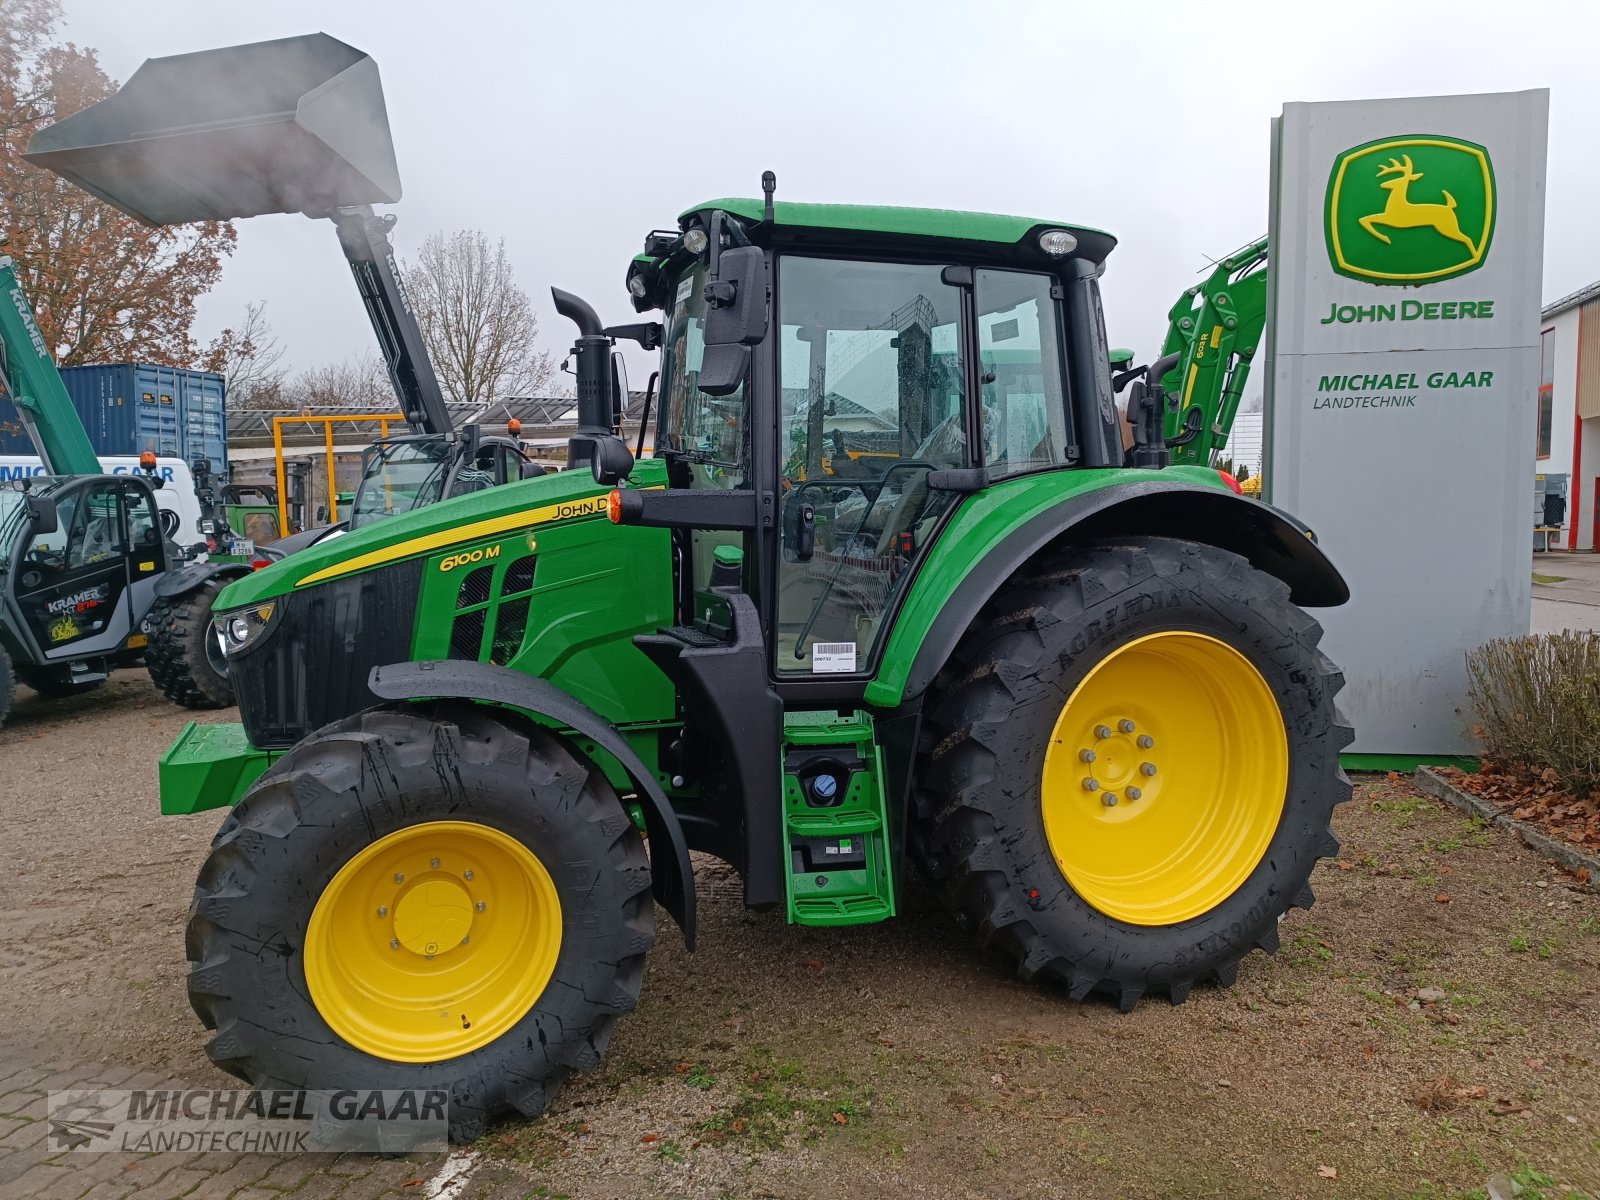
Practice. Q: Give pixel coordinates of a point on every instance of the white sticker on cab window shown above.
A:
(685, 288)
(833, 658)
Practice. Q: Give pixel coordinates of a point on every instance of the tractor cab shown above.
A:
(405, 472)
(912, 354)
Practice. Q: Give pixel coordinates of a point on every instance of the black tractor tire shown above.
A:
(55, 683)
(8, 685)
(349, 785)
(182, 655)
(978, 830)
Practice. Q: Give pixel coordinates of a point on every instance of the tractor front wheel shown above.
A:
(451, 900)
(1133, 763)
(183, 655)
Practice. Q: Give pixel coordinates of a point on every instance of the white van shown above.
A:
(180, 507)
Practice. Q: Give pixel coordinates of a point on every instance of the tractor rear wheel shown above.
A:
(1133, 764)
(186, 662)
(452, 900)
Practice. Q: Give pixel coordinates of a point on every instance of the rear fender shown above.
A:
(672, 874)
(1269, 538)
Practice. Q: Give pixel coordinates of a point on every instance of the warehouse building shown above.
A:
(1568, 412)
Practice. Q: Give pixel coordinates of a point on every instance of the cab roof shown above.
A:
(894, 222)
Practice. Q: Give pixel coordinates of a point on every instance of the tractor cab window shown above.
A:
(708, 433)
(708, 436)
(871, 370)
(1025, 415)
(398, 477)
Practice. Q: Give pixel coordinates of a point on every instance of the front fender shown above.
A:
(191, 575)
(672, 874)
(997, 531)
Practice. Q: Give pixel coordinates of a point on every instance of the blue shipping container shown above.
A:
(128, 408)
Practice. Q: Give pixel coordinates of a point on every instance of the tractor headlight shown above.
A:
(1057, 243)
(244, 626)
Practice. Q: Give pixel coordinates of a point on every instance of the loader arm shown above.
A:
(364, 237)
(1214, 328)
(29, 374)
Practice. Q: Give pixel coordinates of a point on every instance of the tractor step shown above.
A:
(834, 820)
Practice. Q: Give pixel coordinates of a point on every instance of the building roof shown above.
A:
(1581, 296)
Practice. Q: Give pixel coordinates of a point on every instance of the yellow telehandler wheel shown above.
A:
(1133, 763)
(438, 896)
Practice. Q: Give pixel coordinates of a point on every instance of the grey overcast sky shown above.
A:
(571, 129)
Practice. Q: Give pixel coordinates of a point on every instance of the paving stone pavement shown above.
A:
(31, 1168)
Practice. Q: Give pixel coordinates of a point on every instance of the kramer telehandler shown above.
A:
(889, 591)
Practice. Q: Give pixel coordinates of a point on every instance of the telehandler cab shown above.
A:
(887, 592)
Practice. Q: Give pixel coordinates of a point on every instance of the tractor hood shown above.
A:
(293, 125)
(437, 529)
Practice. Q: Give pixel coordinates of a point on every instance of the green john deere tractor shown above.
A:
(889, 590)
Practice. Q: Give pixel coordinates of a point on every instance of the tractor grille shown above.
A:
(312, 668)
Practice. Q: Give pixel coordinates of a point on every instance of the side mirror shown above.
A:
(612, 461)
(42, 514)
(532, 470)
(736, 298)
(322, 514)
(736, 318)
(619, 390)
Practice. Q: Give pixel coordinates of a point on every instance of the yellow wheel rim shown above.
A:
(433, 941)
(1184, 735)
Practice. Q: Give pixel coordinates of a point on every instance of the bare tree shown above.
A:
(355, 385)
(250, 359)
(477, 323)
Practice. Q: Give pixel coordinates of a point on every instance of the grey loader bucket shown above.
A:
(294, 125)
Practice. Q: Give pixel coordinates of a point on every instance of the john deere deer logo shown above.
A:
(1410, 210)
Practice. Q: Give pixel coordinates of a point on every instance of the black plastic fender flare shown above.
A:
(672, 874)
(1272, 541)
(191, 575)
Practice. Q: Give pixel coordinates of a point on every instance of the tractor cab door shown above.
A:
(83, 589)
(871, 357)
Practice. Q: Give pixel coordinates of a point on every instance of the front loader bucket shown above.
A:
(295, 125)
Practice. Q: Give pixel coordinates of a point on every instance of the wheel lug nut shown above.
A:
(466, 939)
(383, 910)
(394, 943)
(482, 906)
(1086, 755)
(1147, 768)
(1146, 741)
(1110, 799)
(434, 863)
(399, 877)
(1133, 793)
(1090, 785)
(1102, 731)
(467, 875)
(1126, 725)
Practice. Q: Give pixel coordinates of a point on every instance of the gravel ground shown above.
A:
(1433, 1020)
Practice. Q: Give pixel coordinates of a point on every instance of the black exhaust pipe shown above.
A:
(592, 366)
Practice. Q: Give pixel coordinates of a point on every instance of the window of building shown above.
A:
(1547, 382)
